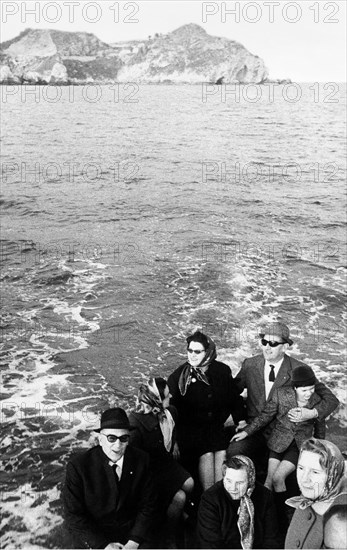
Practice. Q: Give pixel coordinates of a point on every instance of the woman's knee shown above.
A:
(206, 459)
(206, 464)
(188, 485)
(179, 498)
(219, 456)
(206, 470)
(278, 479)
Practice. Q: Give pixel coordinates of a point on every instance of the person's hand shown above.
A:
(294, 415)
(114, 546)
(241, 426)
(131, 544)
(239, 436)
(176, 452)
(300, 414)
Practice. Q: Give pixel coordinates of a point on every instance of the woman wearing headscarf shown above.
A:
(323, 485)
(237, 512)
(286, 436)
(204, 394)
(153, 422)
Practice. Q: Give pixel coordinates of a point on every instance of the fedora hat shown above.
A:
(114, 419)
(277, 329)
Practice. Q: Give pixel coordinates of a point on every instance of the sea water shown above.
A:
(131, 220)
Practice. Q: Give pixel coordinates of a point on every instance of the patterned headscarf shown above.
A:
(245, 512)
(189, 372)
(149, 401)
(334, 467)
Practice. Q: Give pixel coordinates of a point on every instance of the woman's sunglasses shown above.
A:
(271, 344)
(196, 351)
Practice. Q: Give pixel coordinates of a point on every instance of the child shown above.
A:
(287, 435)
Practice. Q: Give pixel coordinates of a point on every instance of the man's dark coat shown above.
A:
(97, 511)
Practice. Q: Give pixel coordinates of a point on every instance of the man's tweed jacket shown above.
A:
(251, 376)
(285, 431)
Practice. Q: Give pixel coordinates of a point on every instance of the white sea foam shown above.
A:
(35, 517)
(169, 221)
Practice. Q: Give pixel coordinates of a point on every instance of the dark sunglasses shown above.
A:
(196, 351)
(271, 344)
(113, 438)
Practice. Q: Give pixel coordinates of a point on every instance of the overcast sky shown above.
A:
(303, 40)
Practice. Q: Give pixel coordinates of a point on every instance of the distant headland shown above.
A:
(188, 55)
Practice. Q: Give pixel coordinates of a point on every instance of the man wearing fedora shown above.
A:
(108, 494)
(261, 376)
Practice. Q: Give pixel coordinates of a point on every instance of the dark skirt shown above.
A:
(195, 441)
(168, 478)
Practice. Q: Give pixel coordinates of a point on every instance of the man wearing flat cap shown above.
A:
(108, 494)
(261, 376)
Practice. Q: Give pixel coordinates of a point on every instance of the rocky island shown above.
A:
(186, 55)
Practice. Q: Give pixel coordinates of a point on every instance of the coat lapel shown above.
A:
(111, 481)
(258, 380)
(282, 377)
(290, 398)
(107, 480)
(126, 479)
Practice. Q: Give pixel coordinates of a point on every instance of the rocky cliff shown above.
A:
(55, 56)
(186, 55)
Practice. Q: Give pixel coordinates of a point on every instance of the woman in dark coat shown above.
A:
(153, 423)
(237, 512)
(204, 394)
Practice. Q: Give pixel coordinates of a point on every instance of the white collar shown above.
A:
(276, 365)
(119, 464)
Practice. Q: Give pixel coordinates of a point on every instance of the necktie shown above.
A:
(272, 374)
(116, 477)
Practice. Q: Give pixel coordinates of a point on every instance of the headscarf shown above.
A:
(189, 372)
(245, 521)
(149, 400)
(335, 467)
